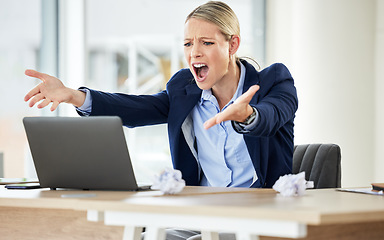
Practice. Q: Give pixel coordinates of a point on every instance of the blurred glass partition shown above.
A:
(20, 25)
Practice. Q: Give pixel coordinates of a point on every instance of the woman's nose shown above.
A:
(196, 51)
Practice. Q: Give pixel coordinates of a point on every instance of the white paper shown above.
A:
(169, 182)
(292, 184)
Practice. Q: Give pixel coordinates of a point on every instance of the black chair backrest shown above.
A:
(321, 163)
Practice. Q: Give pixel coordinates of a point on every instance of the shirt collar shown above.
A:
(206, 95)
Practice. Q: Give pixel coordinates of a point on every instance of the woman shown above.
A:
(228, 124)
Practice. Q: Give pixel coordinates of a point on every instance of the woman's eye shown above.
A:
(187, 44)
(208, 43)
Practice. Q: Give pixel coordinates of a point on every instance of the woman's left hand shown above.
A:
(238, 111)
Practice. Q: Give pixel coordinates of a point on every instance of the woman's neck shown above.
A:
(226, 88)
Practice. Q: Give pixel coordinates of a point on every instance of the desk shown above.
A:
(320, 214)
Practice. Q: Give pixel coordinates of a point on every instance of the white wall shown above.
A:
(329, 46)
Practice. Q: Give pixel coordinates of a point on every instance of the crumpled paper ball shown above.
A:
(292, 185)
(168, 182)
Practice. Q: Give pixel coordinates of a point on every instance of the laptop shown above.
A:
(87, 153)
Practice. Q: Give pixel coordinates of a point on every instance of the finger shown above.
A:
(36, 74)
(248, 95)
(230, 112)
(33, 92)
(223, 116)
(210, 123)
(55, 104)
(218, 118)
(44, 103)
(35, 99)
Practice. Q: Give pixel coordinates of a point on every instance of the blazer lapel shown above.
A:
(251, 78)
(183, 104)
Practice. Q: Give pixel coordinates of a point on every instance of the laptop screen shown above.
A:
(80, 152)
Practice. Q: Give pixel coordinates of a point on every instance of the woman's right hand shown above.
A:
(238, 111)
(51, 90)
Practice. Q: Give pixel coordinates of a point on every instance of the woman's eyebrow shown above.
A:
(207, 38)
(200, 38)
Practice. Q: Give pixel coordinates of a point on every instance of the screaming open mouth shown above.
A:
(201, 71)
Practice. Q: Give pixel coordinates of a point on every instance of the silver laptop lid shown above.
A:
(80, 152)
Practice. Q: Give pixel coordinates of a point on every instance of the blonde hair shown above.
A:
(219, 14)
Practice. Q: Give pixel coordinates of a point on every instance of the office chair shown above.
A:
(321, 163)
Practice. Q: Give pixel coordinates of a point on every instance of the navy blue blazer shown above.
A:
(270, 144)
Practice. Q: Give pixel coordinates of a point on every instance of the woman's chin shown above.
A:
(203, 85)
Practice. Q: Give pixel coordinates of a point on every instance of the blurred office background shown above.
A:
(333, 48)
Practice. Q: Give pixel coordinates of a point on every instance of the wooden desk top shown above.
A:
(317, 207)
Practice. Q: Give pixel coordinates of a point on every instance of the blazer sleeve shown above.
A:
(276, 101)
(134, 110)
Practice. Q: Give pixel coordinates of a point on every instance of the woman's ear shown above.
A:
(234, 44)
